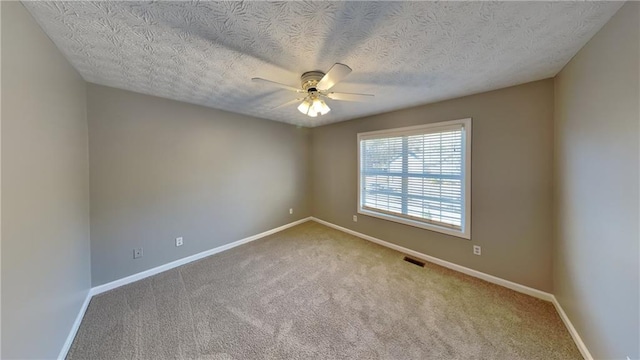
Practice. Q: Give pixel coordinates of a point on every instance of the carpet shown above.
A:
(312, 292)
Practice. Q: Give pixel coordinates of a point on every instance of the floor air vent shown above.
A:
(414, 261)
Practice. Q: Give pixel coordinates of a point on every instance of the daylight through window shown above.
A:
(418, 176)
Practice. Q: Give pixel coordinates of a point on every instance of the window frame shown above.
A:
(465, 232)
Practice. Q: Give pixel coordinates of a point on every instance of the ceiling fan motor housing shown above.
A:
(310, 80)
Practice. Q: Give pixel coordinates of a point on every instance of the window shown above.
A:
(418, 176)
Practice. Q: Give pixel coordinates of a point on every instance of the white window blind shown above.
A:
(418, 174)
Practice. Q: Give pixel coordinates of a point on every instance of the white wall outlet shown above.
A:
(137, 253)
(355, 218)
(477, 250)
(291, 211)
(179, 241)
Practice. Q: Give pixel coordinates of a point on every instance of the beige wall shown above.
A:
(511, 181)
(45, 191)
(162, 169)
(596, 267)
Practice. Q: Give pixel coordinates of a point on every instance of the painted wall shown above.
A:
(596, 268)
(45, 191)
(511, 181)
(162, 169)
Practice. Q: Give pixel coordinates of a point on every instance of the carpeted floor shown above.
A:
(311, 292)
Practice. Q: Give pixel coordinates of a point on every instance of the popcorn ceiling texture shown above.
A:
(406, 53)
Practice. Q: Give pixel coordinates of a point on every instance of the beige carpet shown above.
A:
(311, 292)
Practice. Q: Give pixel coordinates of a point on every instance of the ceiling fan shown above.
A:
(315, 88)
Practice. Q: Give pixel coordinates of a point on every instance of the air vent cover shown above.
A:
(414, 261)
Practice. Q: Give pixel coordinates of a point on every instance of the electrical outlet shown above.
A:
(137, 253)
(291, 211)
(477, 250)
(179, 241)
(355, 218)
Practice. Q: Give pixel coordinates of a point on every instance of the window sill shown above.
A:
(418, 224)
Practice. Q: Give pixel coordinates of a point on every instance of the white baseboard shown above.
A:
(465, 270)
(74, 329)
(156, 270)
(572, 330)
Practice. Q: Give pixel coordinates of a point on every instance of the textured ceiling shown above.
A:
(406, 53)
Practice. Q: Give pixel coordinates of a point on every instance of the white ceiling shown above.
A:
(406, 53)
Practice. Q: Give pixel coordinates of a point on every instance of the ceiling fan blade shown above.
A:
(294, 101)
(333, 76)
(349, 96)
(284, 86)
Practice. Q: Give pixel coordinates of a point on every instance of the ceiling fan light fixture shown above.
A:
(325, 109)
(319, 106)
(313, 107)
(304, 107)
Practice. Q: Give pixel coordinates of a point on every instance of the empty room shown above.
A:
(320, 180)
